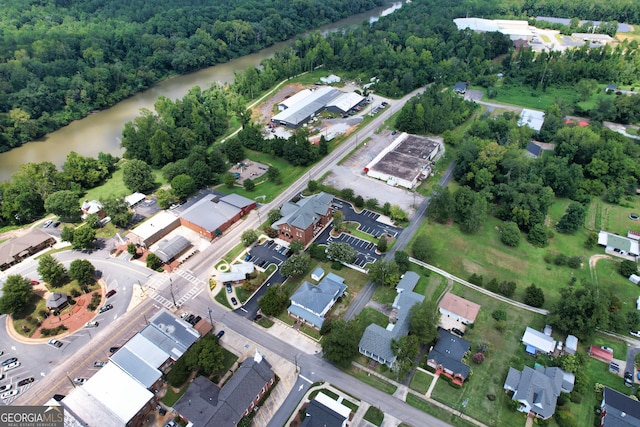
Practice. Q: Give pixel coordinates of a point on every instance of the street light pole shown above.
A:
(210, 318)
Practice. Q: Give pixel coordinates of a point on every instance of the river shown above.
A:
(102, 130)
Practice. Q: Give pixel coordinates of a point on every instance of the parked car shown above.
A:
(105, 308)
(91, 324)
(190, 318)
(605, 348)
(10, 360)
(248, 257)
(80, 381)
(26, 381)
(220, 334)
(99, 363)
(628, 379)
(171, 423)
(55, 224)
(11, 366)
(47, 223)
(196, 320)
(113, 349)
(635, 333)
(54, 342)
(184, 315)
(34, 282)
(111, 293)
(229, 290)
(234, 301)
(6, 387)
(457, 332)
(9, 394)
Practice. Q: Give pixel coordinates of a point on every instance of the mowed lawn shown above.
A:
(488, 378)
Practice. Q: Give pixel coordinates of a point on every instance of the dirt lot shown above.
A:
(249, 169)
(264, 111)
(351, 175)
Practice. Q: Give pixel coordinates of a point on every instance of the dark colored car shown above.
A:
(55, 224)
(99, 363)
(114, 349)
(25, 381)
(105, 308)
(11, 360)
(190, 318)
(234, 301)
(457, 332)
(220, 334)
(111, 293)
(229, 288)
(58, 397)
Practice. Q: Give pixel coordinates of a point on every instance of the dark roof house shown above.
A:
(323, 411)
(446, 356)
(15, 250)
(537, 390)
(205, 404)
(460, 88)
(534, 150)
(618, 410)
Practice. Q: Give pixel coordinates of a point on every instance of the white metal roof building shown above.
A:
(345, 102)
(515, 29)
(154, 229)
(476, 24)
(238, 272)
(141, 359)
(294, 99)
(300, 112)
(532, 118)
(110, 397)
(537, 341)
(134, 199)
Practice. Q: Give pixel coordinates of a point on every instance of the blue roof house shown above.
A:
(312, 302)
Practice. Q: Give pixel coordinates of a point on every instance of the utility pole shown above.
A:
(171, 290)
(210, 318)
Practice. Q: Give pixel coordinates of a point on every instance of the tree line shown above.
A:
(60, 60)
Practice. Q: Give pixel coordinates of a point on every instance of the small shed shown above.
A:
(634, 278)
(56, 301)
(600, 354)
(330, 79)
(611, 88)
(571, 344)
(317, 274)
(638, 304)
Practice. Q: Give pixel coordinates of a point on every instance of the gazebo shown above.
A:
(56, 300)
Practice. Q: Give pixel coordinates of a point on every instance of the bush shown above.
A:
(501, 325)
(75, 293)
(565, 418)
(499, 315)
(476, 279)
(178, 374)
(71, 301)
(507, 288)
(478, 358)
(576, 398)
(574, 262)
(563, 399)
(627, 268)
(560, 259)
(336, 265)
(359, 202)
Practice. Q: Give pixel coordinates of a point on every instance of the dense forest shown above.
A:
(61, 59)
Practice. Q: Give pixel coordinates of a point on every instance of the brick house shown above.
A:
(304, 219)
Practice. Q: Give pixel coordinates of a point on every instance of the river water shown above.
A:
(101, 131)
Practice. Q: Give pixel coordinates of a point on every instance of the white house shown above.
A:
(458, 308)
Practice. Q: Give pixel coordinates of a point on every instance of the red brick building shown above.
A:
(211, 215)
(304, 219)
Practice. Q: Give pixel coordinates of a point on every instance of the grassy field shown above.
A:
(372, 380)
(114, 187)
(369, 315)
(437, 412)
(172, 397)
(221, 297)
(488, 378)
(374, 416)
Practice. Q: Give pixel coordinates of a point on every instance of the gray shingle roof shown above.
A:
(236, 200)
(376, 340)
(304, 212)
(315, 298)
(408, 282)
(538, 388)
(449, 351)
(13, 247)
(620, 410)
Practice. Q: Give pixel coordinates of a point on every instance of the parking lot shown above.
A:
(366, 250)
(367, 219)
(270, 252)
(14, 380)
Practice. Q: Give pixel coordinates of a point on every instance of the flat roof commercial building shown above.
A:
(515, 29)
(404, 161)
(15, 250)
(211, 215)
(306, 107)
(154, 229)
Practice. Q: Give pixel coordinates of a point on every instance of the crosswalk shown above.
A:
(160, 281)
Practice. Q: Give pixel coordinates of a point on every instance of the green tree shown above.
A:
(580, 311)
(51, 270)
(323, 147)
(183, 186)
(423, 321)
(340, 346)
(82, 270)
(248, 237)
(153, 261)
(359, 201)
(342, 252)
(510, 234)
(338, 220)
(205, 356)
(312, 186)
(16, 294)
(67, 234)
(166, 198)
(274, 175)
(132, 249)
(229, 180)
(347, 194)
(384, 273)
(572, 219)
(538, 236)
(83, 238)
(137, 176)
(534, 296)
(406, 349)
(382, 244)
(92, 221)
(65, 204)
(273, 301)
(441, 205)
(249, 185)
(118, 210)
(470, 208)
(402, 259)
(421, 248)
(627, 268)
(591, 241)
(396, 213)
(273, 216)
(295, 266)
(296, 246)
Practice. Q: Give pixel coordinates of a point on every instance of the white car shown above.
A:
(80, 381)
(92, 324)
(6, 387)
(8, 394)
(11, 366)
(605, 348)
(635, 333)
